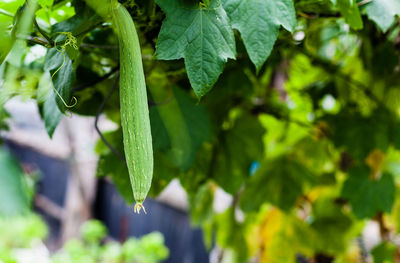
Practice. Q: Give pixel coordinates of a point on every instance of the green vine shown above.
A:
(72, 42)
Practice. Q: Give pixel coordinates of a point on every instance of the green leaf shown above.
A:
(238, 148)
(64, 78)
(258, 23)
(313, 154)
(11, 6)
(51, 114)
(199, 172)
(49, 111)
(282, 136)
(102, 7)
(226, 89)
(372, 196)
(279, 182)
(383, 12)
(384, 253)
(360, 135)
(110, 165)
(21, 25)
(201, 204)
(350, 12)
(14, 199)
(281, 236)
(331, 225)
(231, 234)
(197, 121)
(81, 22)
(6, 41)
(179, 125)
(159, 133)
(202, 36)
(164, 172)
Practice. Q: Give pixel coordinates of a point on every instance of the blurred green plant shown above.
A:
(15, 192)
(20, 232)
(148, 249)
(29, 230)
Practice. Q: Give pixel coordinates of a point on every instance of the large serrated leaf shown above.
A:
(359, 135)
(258, 22)
(372, 196)
(279, 182)
(383, 12)
(238, 148)
(202, 36)
(331, 224)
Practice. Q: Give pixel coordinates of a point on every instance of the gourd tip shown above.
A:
(137, 208)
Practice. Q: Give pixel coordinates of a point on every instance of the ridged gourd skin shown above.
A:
(134, 106)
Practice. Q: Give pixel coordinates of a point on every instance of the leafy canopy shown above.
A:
(291, 108)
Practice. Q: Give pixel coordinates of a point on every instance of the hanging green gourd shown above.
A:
(134, 106)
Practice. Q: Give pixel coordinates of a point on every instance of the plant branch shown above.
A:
(383, 229)
(35, 40)
(220, 255)
(99, 111)
(87, 45)
(364, 2)
(61, 42)
(49, 40)
(316, 15)
(49, 207)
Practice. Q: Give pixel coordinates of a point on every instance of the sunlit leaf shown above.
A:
(258, 23)
(383, 12)
(202, 36)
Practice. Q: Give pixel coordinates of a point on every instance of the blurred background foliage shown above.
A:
(308, 145)
(29, 231)
(147, 249)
